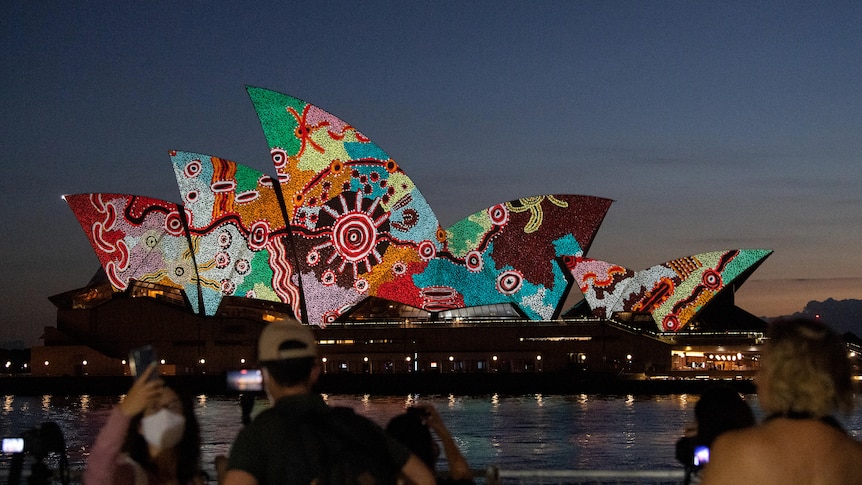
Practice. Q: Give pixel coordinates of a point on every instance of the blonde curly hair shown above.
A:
(805, 369)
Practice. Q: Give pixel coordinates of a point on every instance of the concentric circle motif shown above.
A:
(193, 169)
(354, 236)
(222, 259)
(279, 157)
(427, 250)
(312, 257)
(173, 224)
(509, 282)
(182, 272)
(399, 268)
(570, 261)
(192, 196)
(227, 287)
(670, 323)
(498, 214)
(258, 235)
(328, 278)
(474, 261)
(224, 239)
(360, 285)
(354, 226)
(242, 267)
(151, 240)
(330, 316)
(711, 279)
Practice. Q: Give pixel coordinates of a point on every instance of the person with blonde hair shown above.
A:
(805, 377)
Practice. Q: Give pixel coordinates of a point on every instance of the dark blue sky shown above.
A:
(714, 125)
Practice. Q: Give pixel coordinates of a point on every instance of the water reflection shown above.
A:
(517, 432)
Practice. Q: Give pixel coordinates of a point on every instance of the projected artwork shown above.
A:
(672, 292)
(239, 234)
(340, 221)
(137, 238)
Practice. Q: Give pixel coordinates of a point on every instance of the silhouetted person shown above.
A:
(413, 429)
(719, 409)
(246, 403)
(300, 440)
(804, 377)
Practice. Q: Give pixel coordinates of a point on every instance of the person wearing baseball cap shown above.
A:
(289, 442)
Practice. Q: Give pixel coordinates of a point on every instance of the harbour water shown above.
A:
(580, 431)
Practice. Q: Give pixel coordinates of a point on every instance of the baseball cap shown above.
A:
(280, 331)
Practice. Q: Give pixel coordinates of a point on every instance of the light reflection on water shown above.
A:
(515, 432)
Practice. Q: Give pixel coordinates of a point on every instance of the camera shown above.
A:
(13, 445)
(141, 358)
(244, 380)
(39, 441)
(700, 456)
(692, 452)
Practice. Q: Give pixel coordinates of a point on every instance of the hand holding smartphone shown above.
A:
(140, 359)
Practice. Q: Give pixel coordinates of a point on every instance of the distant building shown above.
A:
(343, 239)
(97, 327)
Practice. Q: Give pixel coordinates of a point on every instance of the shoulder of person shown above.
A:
(741, 446)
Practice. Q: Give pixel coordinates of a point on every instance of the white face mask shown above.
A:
(163, 429)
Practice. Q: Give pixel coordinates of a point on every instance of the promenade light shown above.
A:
(494, 358)
(538, 357)
(451, 358)
(84, 362)
(408, 359)
(163, 362)
(203, 361)
(242, 361)
(46, 363)
(323, 359)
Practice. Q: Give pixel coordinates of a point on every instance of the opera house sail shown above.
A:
(340, 226)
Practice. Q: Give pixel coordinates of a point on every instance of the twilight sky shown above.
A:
(714, 125)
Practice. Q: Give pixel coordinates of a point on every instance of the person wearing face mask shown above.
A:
(151, 437)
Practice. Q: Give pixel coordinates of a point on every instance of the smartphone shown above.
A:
(245, 380)
(141, 358)
(13, 445)
(701, 455)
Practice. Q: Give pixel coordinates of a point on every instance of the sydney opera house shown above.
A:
(341, 238)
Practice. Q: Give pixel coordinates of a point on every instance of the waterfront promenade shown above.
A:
(397, 384)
